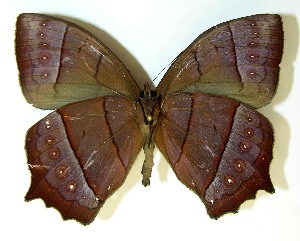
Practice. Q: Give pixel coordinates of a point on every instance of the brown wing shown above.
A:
(239, 59)
(60, 63)
(81, 153)
(217, 147)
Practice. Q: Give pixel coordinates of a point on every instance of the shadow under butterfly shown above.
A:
(201, 116)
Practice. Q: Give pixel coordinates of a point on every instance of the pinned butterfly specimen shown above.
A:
(201, 116)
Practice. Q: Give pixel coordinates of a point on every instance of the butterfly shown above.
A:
(201, 116)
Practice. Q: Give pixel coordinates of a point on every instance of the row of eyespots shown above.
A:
(44, 56)
(245, 146)
(54, 153)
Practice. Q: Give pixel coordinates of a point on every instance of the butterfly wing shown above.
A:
(60, 63)
(81, 153)
(217, 147)
(239, 59)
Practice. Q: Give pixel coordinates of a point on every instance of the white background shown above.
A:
(147, 36)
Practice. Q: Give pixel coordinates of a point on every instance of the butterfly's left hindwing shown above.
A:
(81, 153)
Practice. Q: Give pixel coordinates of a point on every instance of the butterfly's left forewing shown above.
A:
(61, 63)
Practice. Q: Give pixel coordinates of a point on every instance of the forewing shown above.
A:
(238, 59)
(217, 147)
(81, 153)
(60, 63)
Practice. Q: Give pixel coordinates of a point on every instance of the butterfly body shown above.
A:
(201, 116)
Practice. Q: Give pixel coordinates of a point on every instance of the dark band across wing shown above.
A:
(217, 147)
(238, 59)
(60, 63)
(81, 153)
